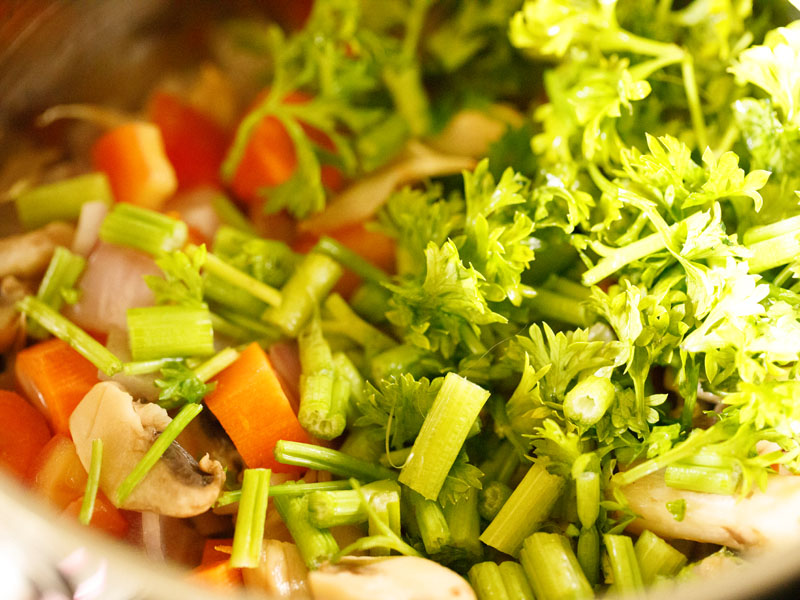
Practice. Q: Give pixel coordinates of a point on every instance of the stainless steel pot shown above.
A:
(111, 51)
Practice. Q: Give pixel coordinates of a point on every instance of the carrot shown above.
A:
(106, 517)
(57, 473)
(134, 158)
(219, 574)
(55, 378)
(25, 433)
(253, 409)
(210, 552)
(194, 143)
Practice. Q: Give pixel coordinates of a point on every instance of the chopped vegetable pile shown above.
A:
(509, 285)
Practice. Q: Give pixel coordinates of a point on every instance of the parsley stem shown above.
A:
(144, 367)
(712, 480)
(249, 533)
(315, 545)
(286, 489)
(60, 277)
(553, 569)
(552, 305)
(169, 331)
(443, 432)
(350, 260)
(624, 566)
(656, 557)
(66, 330)
(154, 453)
(217, 363)
(92, 483)
(143, 229)
(239, 279)
(326, 459)
(587, 491)
(693, 100)
(774, 252)
(347, 322)
(524, 512)
(588, 554)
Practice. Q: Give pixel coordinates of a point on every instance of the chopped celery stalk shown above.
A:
(465, 524)
(370, 301)
(59, 279)
(269, 261)
(349, 259)
(525, 510)
(384, 501)
(443, 433)
(347, 370)
(587, 490)
(587, 402)
(253, 329)
(608, 265)
(501, 464)
(397, 361)
(143, 229)
(712, 480)
(315, 545)
(656, 557)
(567, 287)
(216, 364)
(624, 566)
(218, 268)
(311, 281)
(229, 214)
(154, 453)
(588, 553)
(325, 459)
(364, 443)
(324, 394)
(517, 585)
(92, 483)
(169, 331)
(772, 230)
(249, 533)
(287, 489)
(234, 299)
(229, 329)
(62, 200)
(330, 509)
(550, 305)
(66, 330)
(553, 569)
(492, 498)
(487, 581)
(432, 524)
(347, 322)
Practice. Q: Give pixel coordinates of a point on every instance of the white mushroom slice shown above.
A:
(281, 572)
(762, 519)
(27, 254)
(398, 578)
(176, 486)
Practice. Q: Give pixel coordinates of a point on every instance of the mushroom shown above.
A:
(11, 290)
(27, 254)
(396, 578)
(281, 571)
(176, 486)
(761, 519)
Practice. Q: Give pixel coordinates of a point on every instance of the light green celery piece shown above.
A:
(347, 322)
(66, 330)
(143, 229)
(442, 435)
(623, 563)
(287, 489)
(588, 553)
(465, 524)
(249, 533)
(62, 200)
(710, 480)
(487, 581)
(353, 261)
(62, 273)
(315, 545)
(517, 585)
(656, 557)
(327, 459)
(169, 331)
(553, 569)
(525, 510)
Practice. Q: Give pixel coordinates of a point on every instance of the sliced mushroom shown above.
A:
(176, 486)
(11, 290)
(281, 572)
(27, 254)
(762, 519)
(396, 578)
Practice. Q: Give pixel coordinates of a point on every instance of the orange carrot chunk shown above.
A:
(219, 574)
(25, 433)
(105, 517)
(57, 473)
(253, 409)
(55, 378)
(135, 161)
(210, 552)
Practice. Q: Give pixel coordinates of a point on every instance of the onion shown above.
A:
(111, 284)
(151, 536)
(361, 200)
(86, 234)
(138, 386)
(196, 210)
(470, 132)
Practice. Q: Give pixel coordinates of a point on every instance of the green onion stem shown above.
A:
(66, 330)
(624, 566)
(656, 557)
(92, 483)
(325, 459)
(154, 453)
(552, 568)
(249, 533)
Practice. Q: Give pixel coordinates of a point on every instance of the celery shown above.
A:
(350, 260)
(656, 557)
(169, 331)
(587, 490)
(229, 214)
(588, 554)
(346, 370)
(315, 545)
(143, 229)
(370, 301)
(92, 483)
(325, 459)
(154, 453)
(249, 533)
(488, 582)
(330, 509)
(62, 200)
(501, 464)
(446, 427)
(286, 489)
(312, 280)
(431, 522)
(384, 502)
(492, 498)
(364, 443)
(587, 402)
(63, 271)
(774, 252)
(464, 523)
(517, 585)
(550, 305)
(67, 331)
(712, 480)
(552, 569)
(624, 566)
(145, 367)
(525, 510)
